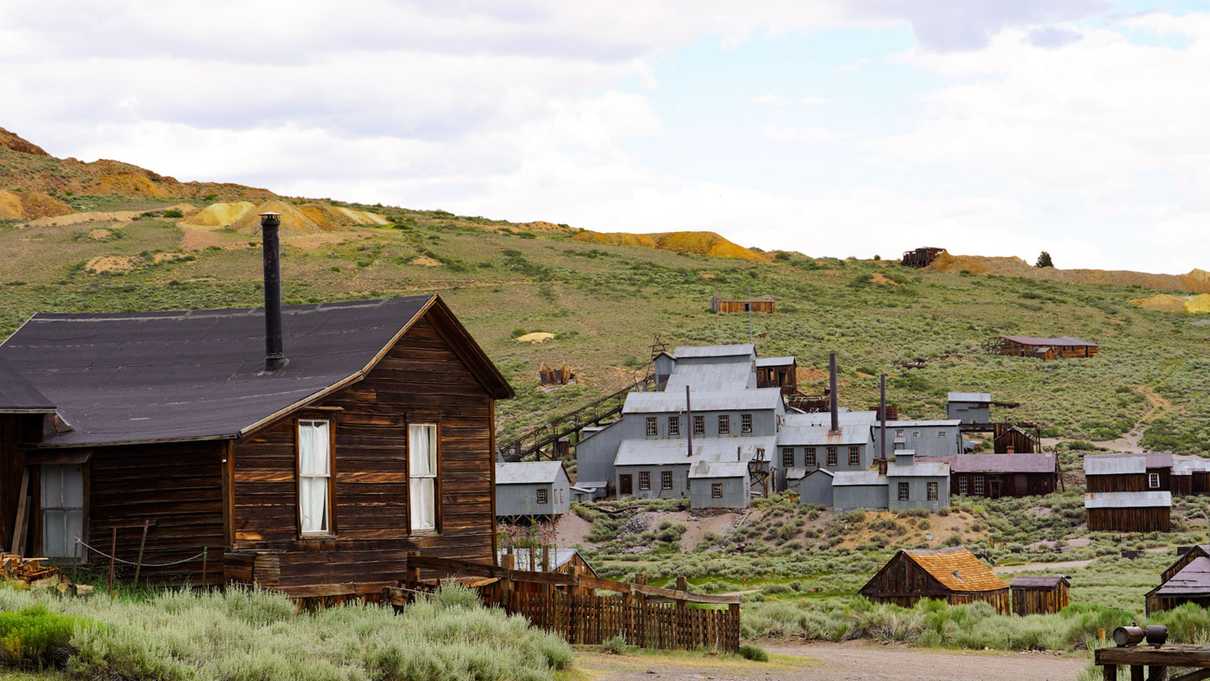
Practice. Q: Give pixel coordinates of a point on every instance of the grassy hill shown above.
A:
(605, 299)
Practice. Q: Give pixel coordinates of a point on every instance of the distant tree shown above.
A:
(877, 257)
(1044, 260)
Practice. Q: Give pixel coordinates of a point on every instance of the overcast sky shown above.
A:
(839, 127)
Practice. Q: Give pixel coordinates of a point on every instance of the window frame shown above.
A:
(978, 485)
(436, 477)
(716, 490)
(904, 491)
(962, 485)
(832, 455)
(810, 458)
(665, 480)
(854, 455)
(699, 424)
(724, 424)
(787, 457)
(674, 425)
(298, 479)
(652, 426)
(542, 498)
(1153, 481)
(745, 424)
(932, 491)
(644, 481)
(81, 555)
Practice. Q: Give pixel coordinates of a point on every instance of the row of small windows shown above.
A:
(905, 491)
(645, 480)
(831, 453)
(699, 425)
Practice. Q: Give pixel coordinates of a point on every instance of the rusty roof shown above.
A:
(1061, 341)
(1001, 463)
(957, 569)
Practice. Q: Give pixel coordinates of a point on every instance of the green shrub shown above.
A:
(34, 637)
(754, 653)
(616, 645)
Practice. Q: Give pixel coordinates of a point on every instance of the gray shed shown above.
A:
(969, 407)
(532, 488)
(815, 489)
(719, 484)
(858, 489)
(936, 437)
(915, 484)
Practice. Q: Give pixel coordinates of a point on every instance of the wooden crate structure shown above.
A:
(1039, 595)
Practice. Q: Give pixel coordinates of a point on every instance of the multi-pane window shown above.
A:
(1153, 480)
(978, 484)
(542, 498)
(810, 456)
(745, 423)
(644, 480)
(854, 456)
(716, 490)
(787, 457)
(831, 455)
(962, 486)
(699, 424)
(904, 491)
(62, 510)
(941, 433)
(666, 480)
(314, 477)
(724, 424)
(653, 426)
(932, 491)
(422, 476)
(674, 425)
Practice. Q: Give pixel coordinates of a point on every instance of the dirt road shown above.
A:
(853, 661)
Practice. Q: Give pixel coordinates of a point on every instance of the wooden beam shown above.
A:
(21, 527)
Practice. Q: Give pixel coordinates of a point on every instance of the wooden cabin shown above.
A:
(1003, 475)
(1039, 595)
(1047, 348)
(954, 575)
(1187, 580)
(777, 372)
(921, 257)
(315, 473)
(733, 305)
(1128, 472)
(1129, 511)
(1190, 475)
(1011, 439)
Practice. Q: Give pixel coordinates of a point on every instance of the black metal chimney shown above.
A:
(882, 416)
(275, 356)
(689, 420)
(835, 397)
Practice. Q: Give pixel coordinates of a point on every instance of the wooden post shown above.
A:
(733, 627)
(679, 639)
(138, 566)
(546, 561)
(20, 528)
(113, 552)
(205, 549)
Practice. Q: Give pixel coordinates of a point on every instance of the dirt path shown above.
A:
(853, 661)
(1157, 406)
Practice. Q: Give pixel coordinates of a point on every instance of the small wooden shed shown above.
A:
(1187, 580)
(1047, 348)
(764, 304)
(921, 257)
(1129, 511)
(954, 575)
(1039, 594)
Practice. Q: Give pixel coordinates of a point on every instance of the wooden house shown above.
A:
(1190, 475)
(777, 372)
(1187, 580)
(1128, 511)
(1128, 472)
(1039, 595)
(1047, 348)
(364, 432)
(719, 305)
(1003, 475)
(954, 575)
(1010, 439)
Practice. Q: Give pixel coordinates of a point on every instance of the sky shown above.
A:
(835, 128)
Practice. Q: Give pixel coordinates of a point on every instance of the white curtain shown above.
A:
(313, 468)
(422, 476)
(62, 510)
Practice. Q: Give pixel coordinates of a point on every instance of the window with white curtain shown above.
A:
(314, 475)
(62, 510)
(422, 476)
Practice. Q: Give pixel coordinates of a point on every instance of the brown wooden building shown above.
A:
(375, 439)
(1190, 475)
(1047, 348)
(1039, 595)
(954, 575)
(1187, 580)
(1003, 475)
(777, 372)
(1128, 472)
(921, 257)
(733, 305)
(1129, 511)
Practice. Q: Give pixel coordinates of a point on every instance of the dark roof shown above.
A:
(1193, 579)
(1062, 341)
(18, 395)
(192, 375)
(1037, 581)
(1002, 463)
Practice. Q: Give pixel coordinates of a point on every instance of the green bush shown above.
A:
(754, 653)
(616, 645)
(34, 637)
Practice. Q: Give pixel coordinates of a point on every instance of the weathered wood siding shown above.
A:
(1005, 484)
(903, 582)
(1040, 601)
(1129, 519)
(1009, 347)
(420, 380)
(14, 429)
(1136, 482)
(721, 306)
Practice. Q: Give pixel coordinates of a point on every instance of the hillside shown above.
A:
(124, 248)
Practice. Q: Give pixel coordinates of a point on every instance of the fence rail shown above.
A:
(572, 607)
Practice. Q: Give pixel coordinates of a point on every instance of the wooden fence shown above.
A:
(574, 608)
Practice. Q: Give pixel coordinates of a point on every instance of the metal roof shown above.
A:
(823, 418)
(1128, 499)
(712, 378)
(590, 484)
(774, 361)
(857, 478)
(796, 472)
(1001, 463)
(528, 472)
(852, 434)
(1037, 581)
(969, 397)
(1062, 341)
(718, 469)
(18, 395)
(1193, 579)
(957, 569)
(668, 451)
(925, 469)
(697, 351)
(924, 423)
(199, 374)
(1186, 465)
(1124, 464)
(736, 400)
